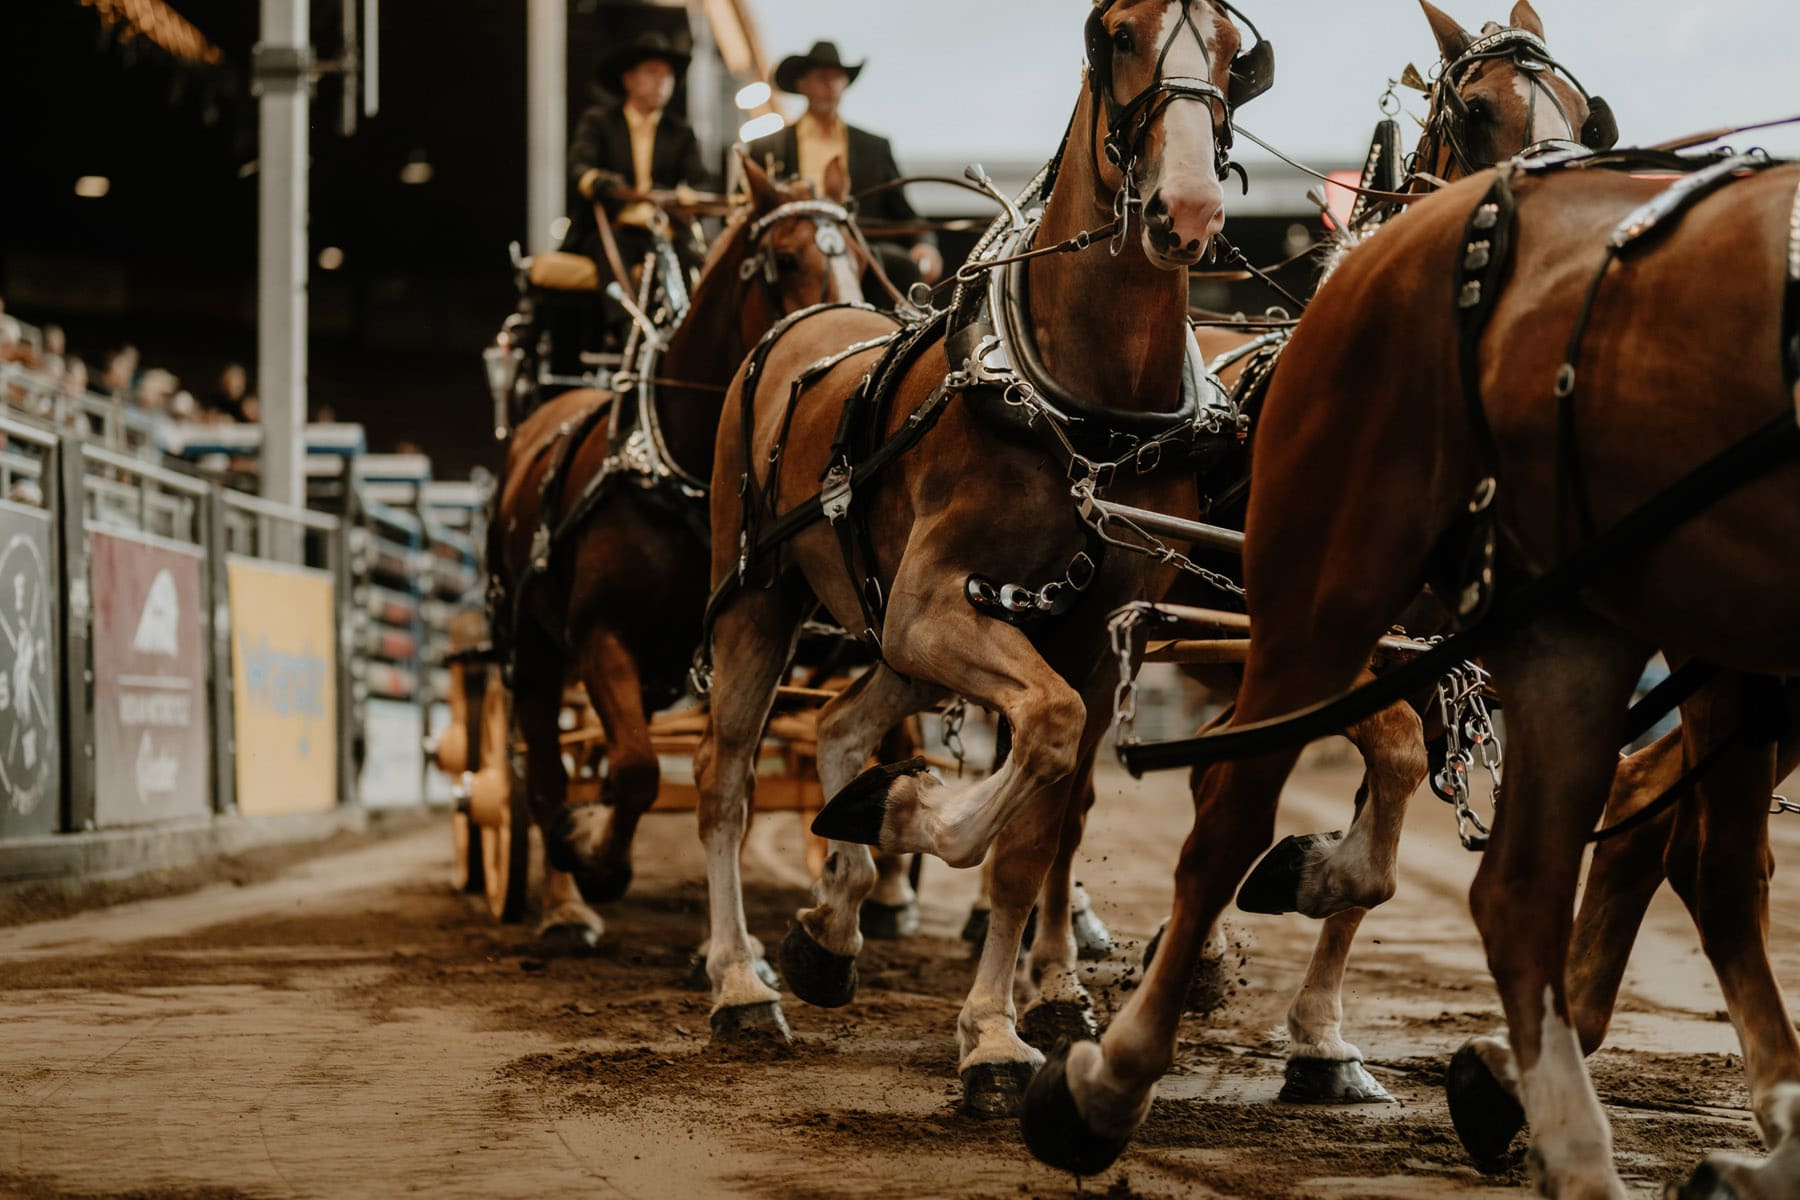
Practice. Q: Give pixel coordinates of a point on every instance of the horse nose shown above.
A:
(1183, 218)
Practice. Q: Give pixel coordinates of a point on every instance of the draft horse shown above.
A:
(1589, 419)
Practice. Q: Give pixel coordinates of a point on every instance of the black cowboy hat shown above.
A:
(823, 54)
(626, 55)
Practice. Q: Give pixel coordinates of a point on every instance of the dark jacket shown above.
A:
(871, 163)
(603, 142)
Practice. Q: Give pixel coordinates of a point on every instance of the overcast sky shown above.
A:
(996, 79)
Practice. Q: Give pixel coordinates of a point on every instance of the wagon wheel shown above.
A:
(467, 870)
(506, 851)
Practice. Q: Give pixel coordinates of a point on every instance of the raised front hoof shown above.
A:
(974, 930)
(1054, 1131)
(604, 883)
(571, 928)
(1274, 886)
(750, 1024)
(857, 813)
(815, 974)
(995, 1089)
(1052, 1022)
(1093, 940)
(1485, 1115)
(889, 922)
(1331, 1081)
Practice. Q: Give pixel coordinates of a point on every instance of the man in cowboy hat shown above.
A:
(635, 145)
(806, 146)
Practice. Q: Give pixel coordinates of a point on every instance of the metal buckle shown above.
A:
(834, 496)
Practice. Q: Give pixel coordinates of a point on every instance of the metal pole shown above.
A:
(283, 79)
(547, 119)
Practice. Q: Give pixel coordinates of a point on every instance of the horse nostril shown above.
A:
(1156, 206)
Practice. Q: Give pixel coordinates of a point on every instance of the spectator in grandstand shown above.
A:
(55, 350)
(252, 410)
(120, 371)
(183, 406)
(74, 378)
(156, 390)
(228, 393)
(10, 334)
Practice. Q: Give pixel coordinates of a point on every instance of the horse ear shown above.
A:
(1525, 17)
(763, 194)
(1452, 39)
(837, 180)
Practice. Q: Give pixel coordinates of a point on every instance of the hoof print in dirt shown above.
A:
(1093, 940)
(1331, 1081)
(815, 974)
(1485, 1115)
(889, 922)
(1274, 886)
(1054, 1130)
(1046, 1024)
(857, 813)
(750, 1024)
(995, 1089)
(603, 885)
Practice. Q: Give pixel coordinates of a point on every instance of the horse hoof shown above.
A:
(974, 930)
(857, 813)
(889, 922)
(1054, 1130)
(1050, 1022)
(995, 1089)
(604, 884)
(1485, 1115)
(1093, 940)
(1331, 1081)
(1274, 886)
(815, 974)
(569, 936)
(1706, 1183)
(744, 1023)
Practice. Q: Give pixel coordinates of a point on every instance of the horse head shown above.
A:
(799, 244)
(1144, 57)
(1501, 93)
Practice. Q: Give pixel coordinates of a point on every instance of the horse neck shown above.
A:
(1110, 329)
(705, 349)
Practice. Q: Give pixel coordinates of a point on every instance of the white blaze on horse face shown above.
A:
(1547, 120)
(1184, 178)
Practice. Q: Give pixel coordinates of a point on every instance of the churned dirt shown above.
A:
(345, 1025)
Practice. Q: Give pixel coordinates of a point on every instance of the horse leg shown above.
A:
(1567, 680)
(750, 658)
(1089, 1098)
(1626, 871)
(892, 908)
(567, 917)
(633, 773)
(974, 930)
(818, 955)
(1093, 940)
(995, 1064)
(1063, 1010)
(1729, 899)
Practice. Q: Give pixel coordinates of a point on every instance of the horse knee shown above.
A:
(1048, 752)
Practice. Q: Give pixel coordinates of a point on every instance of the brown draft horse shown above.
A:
(966, 500)
(1367, 419)
(621, 604)
(1509, 103)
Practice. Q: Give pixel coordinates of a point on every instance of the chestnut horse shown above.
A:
(973, 500)
(1499, 95)
(1504, 454)
(618, 601)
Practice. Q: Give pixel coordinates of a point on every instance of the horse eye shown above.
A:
(1480, 110)
(1122, 42)
(785, 262)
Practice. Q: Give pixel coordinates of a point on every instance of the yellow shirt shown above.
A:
(819, 144)
(642, 127)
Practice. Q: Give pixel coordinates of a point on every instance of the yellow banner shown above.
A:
(284, 679)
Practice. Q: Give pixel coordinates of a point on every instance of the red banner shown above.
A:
(152, 724)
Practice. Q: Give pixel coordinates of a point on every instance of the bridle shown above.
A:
(834, 232)
(1128, 124)
(1447, 127)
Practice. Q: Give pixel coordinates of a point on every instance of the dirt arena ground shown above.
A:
(346, 1026)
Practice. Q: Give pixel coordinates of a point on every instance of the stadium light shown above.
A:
(92, 187)
(753, 96)
(330, 258)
